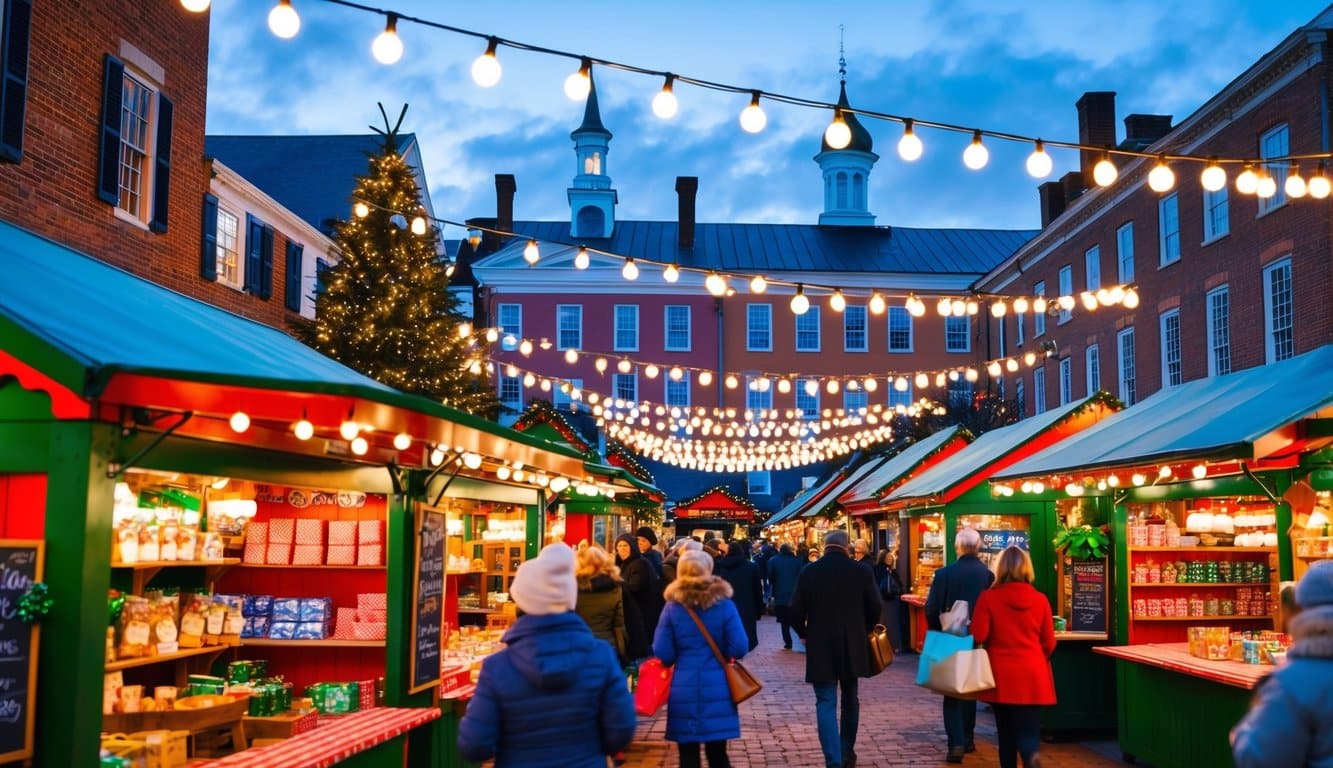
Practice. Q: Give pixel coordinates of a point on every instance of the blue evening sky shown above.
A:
(1004, 65)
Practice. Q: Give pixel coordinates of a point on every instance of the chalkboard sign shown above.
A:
(427, 628)
(20, 568)
(1087, 603)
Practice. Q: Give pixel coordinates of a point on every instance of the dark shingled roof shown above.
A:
(801, 247)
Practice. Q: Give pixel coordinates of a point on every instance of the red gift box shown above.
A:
(256, 533)
(372, 601)
(367, 694)
(341, 555)
(281, 530)
(372, 615)
(343, 628)
(369, 630)
(370, 554)
(370, 532)
(303, 554)
(342, 533)
(309, 533)
(278, 554)
(255, 552)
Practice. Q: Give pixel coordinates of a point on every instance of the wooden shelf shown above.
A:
(1315, 557)
(144, 661)
(308, 567)
(327, 643)
(1263, 584)
(1265, 550)
(1201, 618)
(462, 573)
(145, 570)
(479, 610)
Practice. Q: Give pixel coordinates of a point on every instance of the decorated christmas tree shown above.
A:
(385, 308)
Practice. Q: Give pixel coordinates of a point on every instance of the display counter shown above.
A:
(374, 737)
(916, 619)
(1176, 709)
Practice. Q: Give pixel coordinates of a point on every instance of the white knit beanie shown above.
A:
(546, 585)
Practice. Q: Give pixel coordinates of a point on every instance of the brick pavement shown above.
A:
(900, 723)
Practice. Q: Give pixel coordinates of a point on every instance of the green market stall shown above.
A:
(825, 507)
(1231, 474)
(714, 509)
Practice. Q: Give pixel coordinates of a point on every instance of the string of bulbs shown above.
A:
(1255, 178)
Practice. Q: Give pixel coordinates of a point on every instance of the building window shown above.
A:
(1020, 331)
(627, 328)
(677, 328)
(807, 398)
(1020, 399)
(1170, 323)
(807, 331)
(678, 392)
(511, 325)
(900, 399)
(627, 387)
(1124, 253)
(1274, 143)
(1038, 318)
(135, 120)
(960, 392)
(560, 398)
(759, 483)
(1066, 289)
(854, 336)
(229, 248)
(855, 402)
(1168, 240)
(1093, 262)
(1004, 348)
(759, 328)
(1279, 342)
(900, 330)
(842, 190)
(1038, 390)
(1219, 331)
(758, 394)
(1125, 363)
(957, 334)
(1216, 216)
(1092, 358)
(569, 326)
(1066, 381)
(134, 163)
(511, 392)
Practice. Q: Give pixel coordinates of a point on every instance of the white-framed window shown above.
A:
(999, 387)
(759, 483)
(1066, 289)
(511, 392)
(900, 398)
(855, 402)
(1279, 335)
(1274, 143)
(677, 393)
(1092, 260)
(677, 328)
(1125, 364)
(900, 329)
(1003, 345)
(1020, 331)
(229, 248)
(1216, 215)
(1038, 390)
(758, 397)
(1170, 328)
(1066, 380)
(136, 149)
(1168, 230)
(569, 326)
(626, 386)
(510, 317)
(1092, 361)
(1219, 331)
(855, 337)
(807, 398)
(1038, 318)
(1020, 398)
(562, 399)
(627, 328)
(960, 392)
(957, 334)
(807, 331)
(1124, 253)
(759, 328)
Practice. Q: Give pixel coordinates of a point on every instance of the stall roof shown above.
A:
(993, 450)
(793, 506)
(1219, 417)
(798, 505)
(838, 487)
(107, 336)
(869, 488)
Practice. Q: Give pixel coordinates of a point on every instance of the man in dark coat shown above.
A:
(647, 542)
(965, 579)
(747, 594)
(783, 571)
(834, 606)
(641, 583)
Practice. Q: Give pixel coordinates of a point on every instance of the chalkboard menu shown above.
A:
(1087, 601)
(427, 628)
(20, 568)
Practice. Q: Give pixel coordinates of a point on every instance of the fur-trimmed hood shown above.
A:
(598, 582)
(1312, 633)
(699, 594)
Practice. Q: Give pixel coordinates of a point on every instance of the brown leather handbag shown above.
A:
(740, 681)
(881, 650)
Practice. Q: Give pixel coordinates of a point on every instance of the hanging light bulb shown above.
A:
(753, 118)
(800, 304)
(705, 378)
(922, 381)
(1020, 305)
(1039, 163)
(915, 306)
(388, 46)
(715, 284)
(360, 210)
(486, 68)
(571, 355)
(630, 271)
(1295, 185)
(831, 386)
(1267, 187)
(731, 381)
(1104, 173)
(402, 441)
(871, 385)
(994, 368)
(1131, 299)
(1213, 177)
(958, 308)
(525, 347)
(529, 379)
(909, 146)
(511, 371)
(360, 445)
(530, 253)
(1161, 178)
(418, 225)
(1319, 185)
(195, 6)
(472, 461)
(837, 302)
(579, 83)
(943, 307)
(1247, 183)
(877, 303)
(665, 105)
(1011, 365)
(283, 20)
(240, 421)
(624, 365)
(349, 429)
(492, 335)
(651, 371)
(976, 155)
(758, 284)
(671, 274)
(303, 429)
(581, 259)
(676, 373)
(600, 364)
(837, 135)
(473, 237)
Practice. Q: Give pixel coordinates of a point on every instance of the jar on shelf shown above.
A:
(1168, 607)
(1154, 573)
(1169, 573)
(1154, 608)
(1156, 535)
(1140, 607)
(1172, 534)
(1212, 570)
(1182, 606)
(1182, 572)
(1196, 605)
(1226, 607)
(1212, 606)
(1224, 571)
(1141, 573)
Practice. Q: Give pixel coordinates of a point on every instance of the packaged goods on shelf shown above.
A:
(342, 533)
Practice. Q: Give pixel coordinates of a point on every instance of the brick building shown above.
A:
(1226, 280)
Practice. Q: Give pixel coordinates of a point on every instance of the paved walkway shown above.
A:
(900, 722)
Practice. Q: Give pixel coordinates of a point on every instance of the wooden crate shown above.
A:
(283, 726)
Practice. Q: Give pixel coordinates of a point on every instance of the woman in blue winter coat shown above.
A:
(556, 696)
(699, 708)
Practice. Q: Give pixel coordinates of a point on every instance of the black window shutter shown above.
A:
(266, 264)
(321, 266)
(254, 246)
(294, 253)
(208, 254)
(14, 36)
(162, 165)
(113, 90)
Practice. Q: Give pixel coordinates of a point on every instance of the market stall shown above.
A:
(716, 509)
(149, 439)
(825, 504)
(1217, 485)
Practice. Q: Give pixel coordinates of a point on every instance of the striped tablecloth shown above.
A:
(336, 738)
(1176, 657)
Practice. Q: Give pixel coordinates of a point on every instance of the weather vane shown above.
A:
(842, 56)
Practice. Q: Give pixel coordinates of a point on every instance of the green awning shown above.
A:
(868, 488)
(837, 488)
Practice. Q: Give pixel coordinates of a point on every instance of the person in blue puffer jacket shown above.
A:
(556, 696)
(699, 708)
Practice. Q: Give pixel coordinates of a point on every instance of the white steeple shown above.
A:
(847, 171)
(592, 201)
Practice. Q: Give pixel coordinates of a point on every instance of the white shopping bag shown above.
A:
(955, 621)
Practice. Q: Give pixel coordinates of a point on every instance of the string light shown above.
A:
(665, 105)
(909, 146)
(195, 6)
(715, 284)
(1319, 185)
(838, 135)
(349, 429)
(976, 155)
(387, 47)
(239, 421)
(800, 303)
(531, 253)
(1161, 178)
(758, 284)
(630, 271)
(419, 225)
(581, 259)
(1247, 183)
(1039, 163)
(1213, 177)
(486, 69)
(671, 273)
(1267, 186)
(1104, 173)
(303, 429)
(579, 84)
(283, 20)
(1294, 186)
(877, 304)
(837, 302)
(360, 446)
(753, 118)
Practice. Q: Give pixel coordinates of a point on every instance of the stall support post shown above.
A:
(1120, 550)
(534, 525)
(78, 573)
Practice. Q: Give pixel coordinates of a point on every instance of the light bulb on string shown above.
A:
(579, 83)
(877, 305)
(1319, 184)
(525, 347)
(195, 6)
(571, 355)
(943, 307)
(1104, 173)
(349, 429)
(239, 421)
(837, 302)
(303, 429)
(800, 303)
(531, 253)
(1267, 186)
(715, 284)
(360, 446)
(731, 381)
(624, 365)
(1131, 299)
(1247, 182)
(1039, 163)
(283, 20)
(418, 225)
(909, 146)
(837, 135)
(1161, 178)
(581, 259)
(1213, 177)
(753, 118)
(665, 105)
(486, 69)
(705, 378)
(671, 273)
(388, 46)
(630, 271)
(758, 284)
(1294, 186)
(976, 155)
(922, 381)
(492, 335)
(360, 210)
(600, 364)
(1020, 305)
(402, 441)
(994, 368)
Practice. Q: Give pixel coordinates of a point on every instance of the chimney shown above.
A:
(1096, 127)
(686, 189)
(1052, 201)
(505, 187)
(1143, 130)
(1072, 183)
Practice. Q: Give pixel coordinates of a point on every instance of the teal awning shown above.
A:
(867, 489)
(793, 507)
(837, 487)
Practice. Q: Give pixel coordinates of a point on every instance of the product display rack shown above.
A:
(145, 571)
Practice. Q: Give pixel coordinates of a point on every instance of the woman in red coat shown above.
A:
(1013, 620)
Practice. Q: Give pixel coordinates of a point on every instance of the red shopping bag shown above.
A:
(653, 688)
